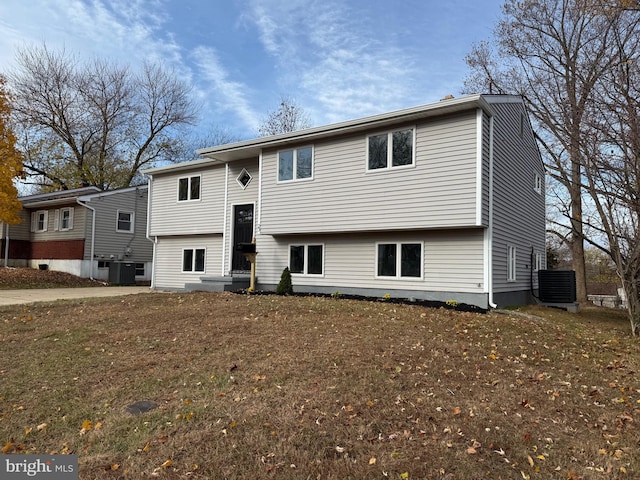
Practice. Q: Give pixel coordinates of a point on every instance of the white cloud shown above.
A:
(333, 58)
(227, 95)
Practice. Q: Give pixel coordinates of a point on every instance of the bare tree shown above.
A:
(95, 123)
(553, 52)
(288, 117)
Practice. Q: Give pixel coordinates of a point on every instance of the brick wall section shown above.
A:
(18, 249)
(58, 249)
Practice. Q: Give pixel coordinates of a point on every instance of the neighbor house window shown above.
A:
(399, 260)
(392, 149)
(39, 221)
(140, 269)
(189, 188)
(64, 219)
(537, 183)
(103, 264)
(511, 263)
(538, 262)
(295, 164)
(193, 260)
(124, 222)
(306, 259)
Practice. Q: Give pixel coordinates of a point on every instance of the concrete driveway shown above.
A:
(17, 297)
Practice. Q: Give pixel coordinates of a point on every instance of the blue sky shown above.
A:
(338, 59)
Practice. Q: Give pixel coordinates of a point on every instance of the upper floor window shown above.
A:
(124, 222)
(39, 221)
(399, 260)
(64, 219)
(392, 149)
(537, 183)
(295, 164)
(189, 188)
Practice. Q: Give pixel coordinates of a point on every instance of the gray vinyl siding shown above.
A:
(111, 244)
(168, 264)
(519, 211)
(171, 217)
(19, 231)
(486, 152)
(439, 191)
(452, 260)
(52, 233)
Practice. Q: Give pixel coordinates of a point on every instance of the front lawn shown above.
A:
(263, 387)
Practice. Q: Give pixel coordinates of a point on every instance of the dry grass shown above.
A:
(23, 278)
(266, 387)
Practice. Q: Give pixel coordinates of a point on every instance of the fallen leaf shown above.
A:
(115, 466)
(471, 451)
(372, 461)
(404, 475)
(457, 411)
(166, 464)
(7, 446)
(41, 427)
(530, 460)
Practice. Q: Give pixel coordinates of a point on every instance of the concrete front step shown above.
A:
(220, 284)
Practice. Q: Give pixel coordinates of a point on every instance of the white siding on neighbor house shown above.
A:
(168, 269)
(519, 211)
(113, 245)
(439, 191)
(452, 260)
(171, 217)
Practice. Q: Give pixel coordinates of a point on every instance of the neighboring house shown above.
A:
(81, 231)
(440, 202)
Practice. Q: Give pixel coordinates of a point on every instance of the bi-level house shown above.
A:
(84, 231)
(442, 202)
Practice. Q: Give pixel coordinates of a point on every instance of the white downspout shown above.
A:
(148, 232)
(93, 234)
(226, 238)
(490, 226)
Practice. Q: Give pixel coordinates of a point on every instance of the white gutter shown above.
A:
(93, 234)
(225, 238)
(490, 227)
(148, 233)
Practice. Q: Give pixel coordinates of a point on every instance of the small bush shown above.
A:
(285, 287)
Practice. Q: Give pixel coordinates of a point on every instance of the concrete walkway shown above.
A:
(17, 297)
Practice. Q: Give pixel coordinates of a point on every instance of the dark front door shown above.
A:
(242, 233)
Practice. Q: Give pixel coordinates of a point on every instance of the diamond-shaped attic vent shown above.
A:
(244, 178)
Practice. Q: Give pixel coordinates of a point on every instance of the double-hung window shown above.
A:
(399, 260)
(193, 260)
(39, 221)
(306, 259)
(391, 149)
(537, 183)
(124, 222)
(189, 188)
(296, 164)
(63, 220)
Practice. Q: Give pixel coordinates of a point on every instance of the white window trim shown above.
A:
(512, 263)
(35, 217)
(537, 183)
(242, 173)
(193, 261)
(306, 259)
(70, 226)
(189, 199)
(390, 165)
(398, 275)
(132, 221)
(295, 164)
(538, 262)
